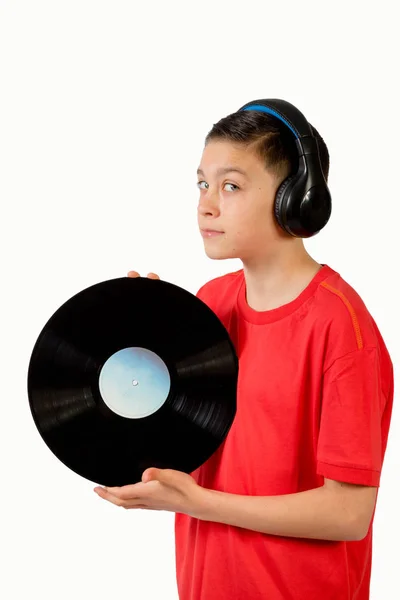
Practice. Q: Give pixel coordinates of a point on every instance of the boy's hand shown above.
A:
(160, 489)
(149, 275)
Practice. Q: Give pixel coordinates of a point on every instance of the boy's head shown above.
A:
(240, 203)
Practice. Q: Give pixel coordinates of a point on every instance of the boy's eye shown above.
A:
(206, 184)
(232, 186)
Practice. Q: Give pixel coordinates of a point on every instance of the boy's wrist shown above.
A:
(207, 504)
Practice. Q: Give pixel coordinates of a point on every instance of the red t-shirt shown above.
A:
(314, 400)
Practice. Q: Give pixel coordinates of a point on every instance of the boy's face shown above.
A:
(238, 204)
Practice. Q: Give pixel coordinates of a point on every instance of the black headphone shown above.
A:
(303, 203)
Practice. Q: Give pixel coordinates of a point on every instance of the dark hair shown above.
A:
(271, 140)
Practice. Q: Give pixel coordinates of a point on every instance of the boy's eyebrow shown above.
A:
(224, 170)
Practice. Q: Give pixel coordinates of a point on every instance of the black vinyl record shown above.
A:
(133, 373)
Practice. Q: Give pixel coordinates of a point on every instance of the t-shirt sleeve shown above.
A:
(350, 438)
(205, 294)
(200, 292)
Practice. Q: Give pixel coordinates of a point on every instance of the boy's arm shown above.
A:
(336, 511)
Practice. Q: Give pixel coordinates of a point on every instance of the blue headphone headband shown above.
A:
(265, 109)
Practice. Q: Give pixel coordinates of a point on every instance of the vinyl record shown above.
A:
(133, 373)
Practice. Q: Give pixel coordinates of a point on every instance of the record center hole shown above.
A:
(135, 382)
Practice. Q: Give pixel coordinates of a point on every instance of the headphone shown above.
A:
(303, 203)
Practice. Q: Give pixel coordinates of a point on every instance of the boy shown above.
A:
(284, 508)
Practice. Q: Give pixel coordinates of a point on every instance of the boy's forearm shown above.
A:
(313, 514)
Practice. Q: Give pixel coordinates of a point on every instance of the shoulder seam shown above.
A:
(347, 303)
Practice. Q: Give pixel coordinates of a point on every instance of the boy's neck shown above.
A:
(274, 281)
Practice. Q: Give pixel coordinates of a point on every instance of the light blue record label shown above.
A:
(134, 382)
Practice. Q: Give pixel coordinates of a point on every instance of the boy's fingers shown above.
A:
(149, 275)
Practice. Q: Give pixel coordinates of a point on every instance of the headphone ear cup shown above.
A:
(279, 201)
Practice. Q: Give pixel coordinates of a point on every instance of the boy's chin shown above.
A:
(215, 255)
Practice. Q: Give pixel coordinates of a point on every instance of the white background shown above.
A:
(104, 106)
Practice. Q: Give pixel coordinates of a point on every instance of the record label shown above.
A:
(134, 382)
